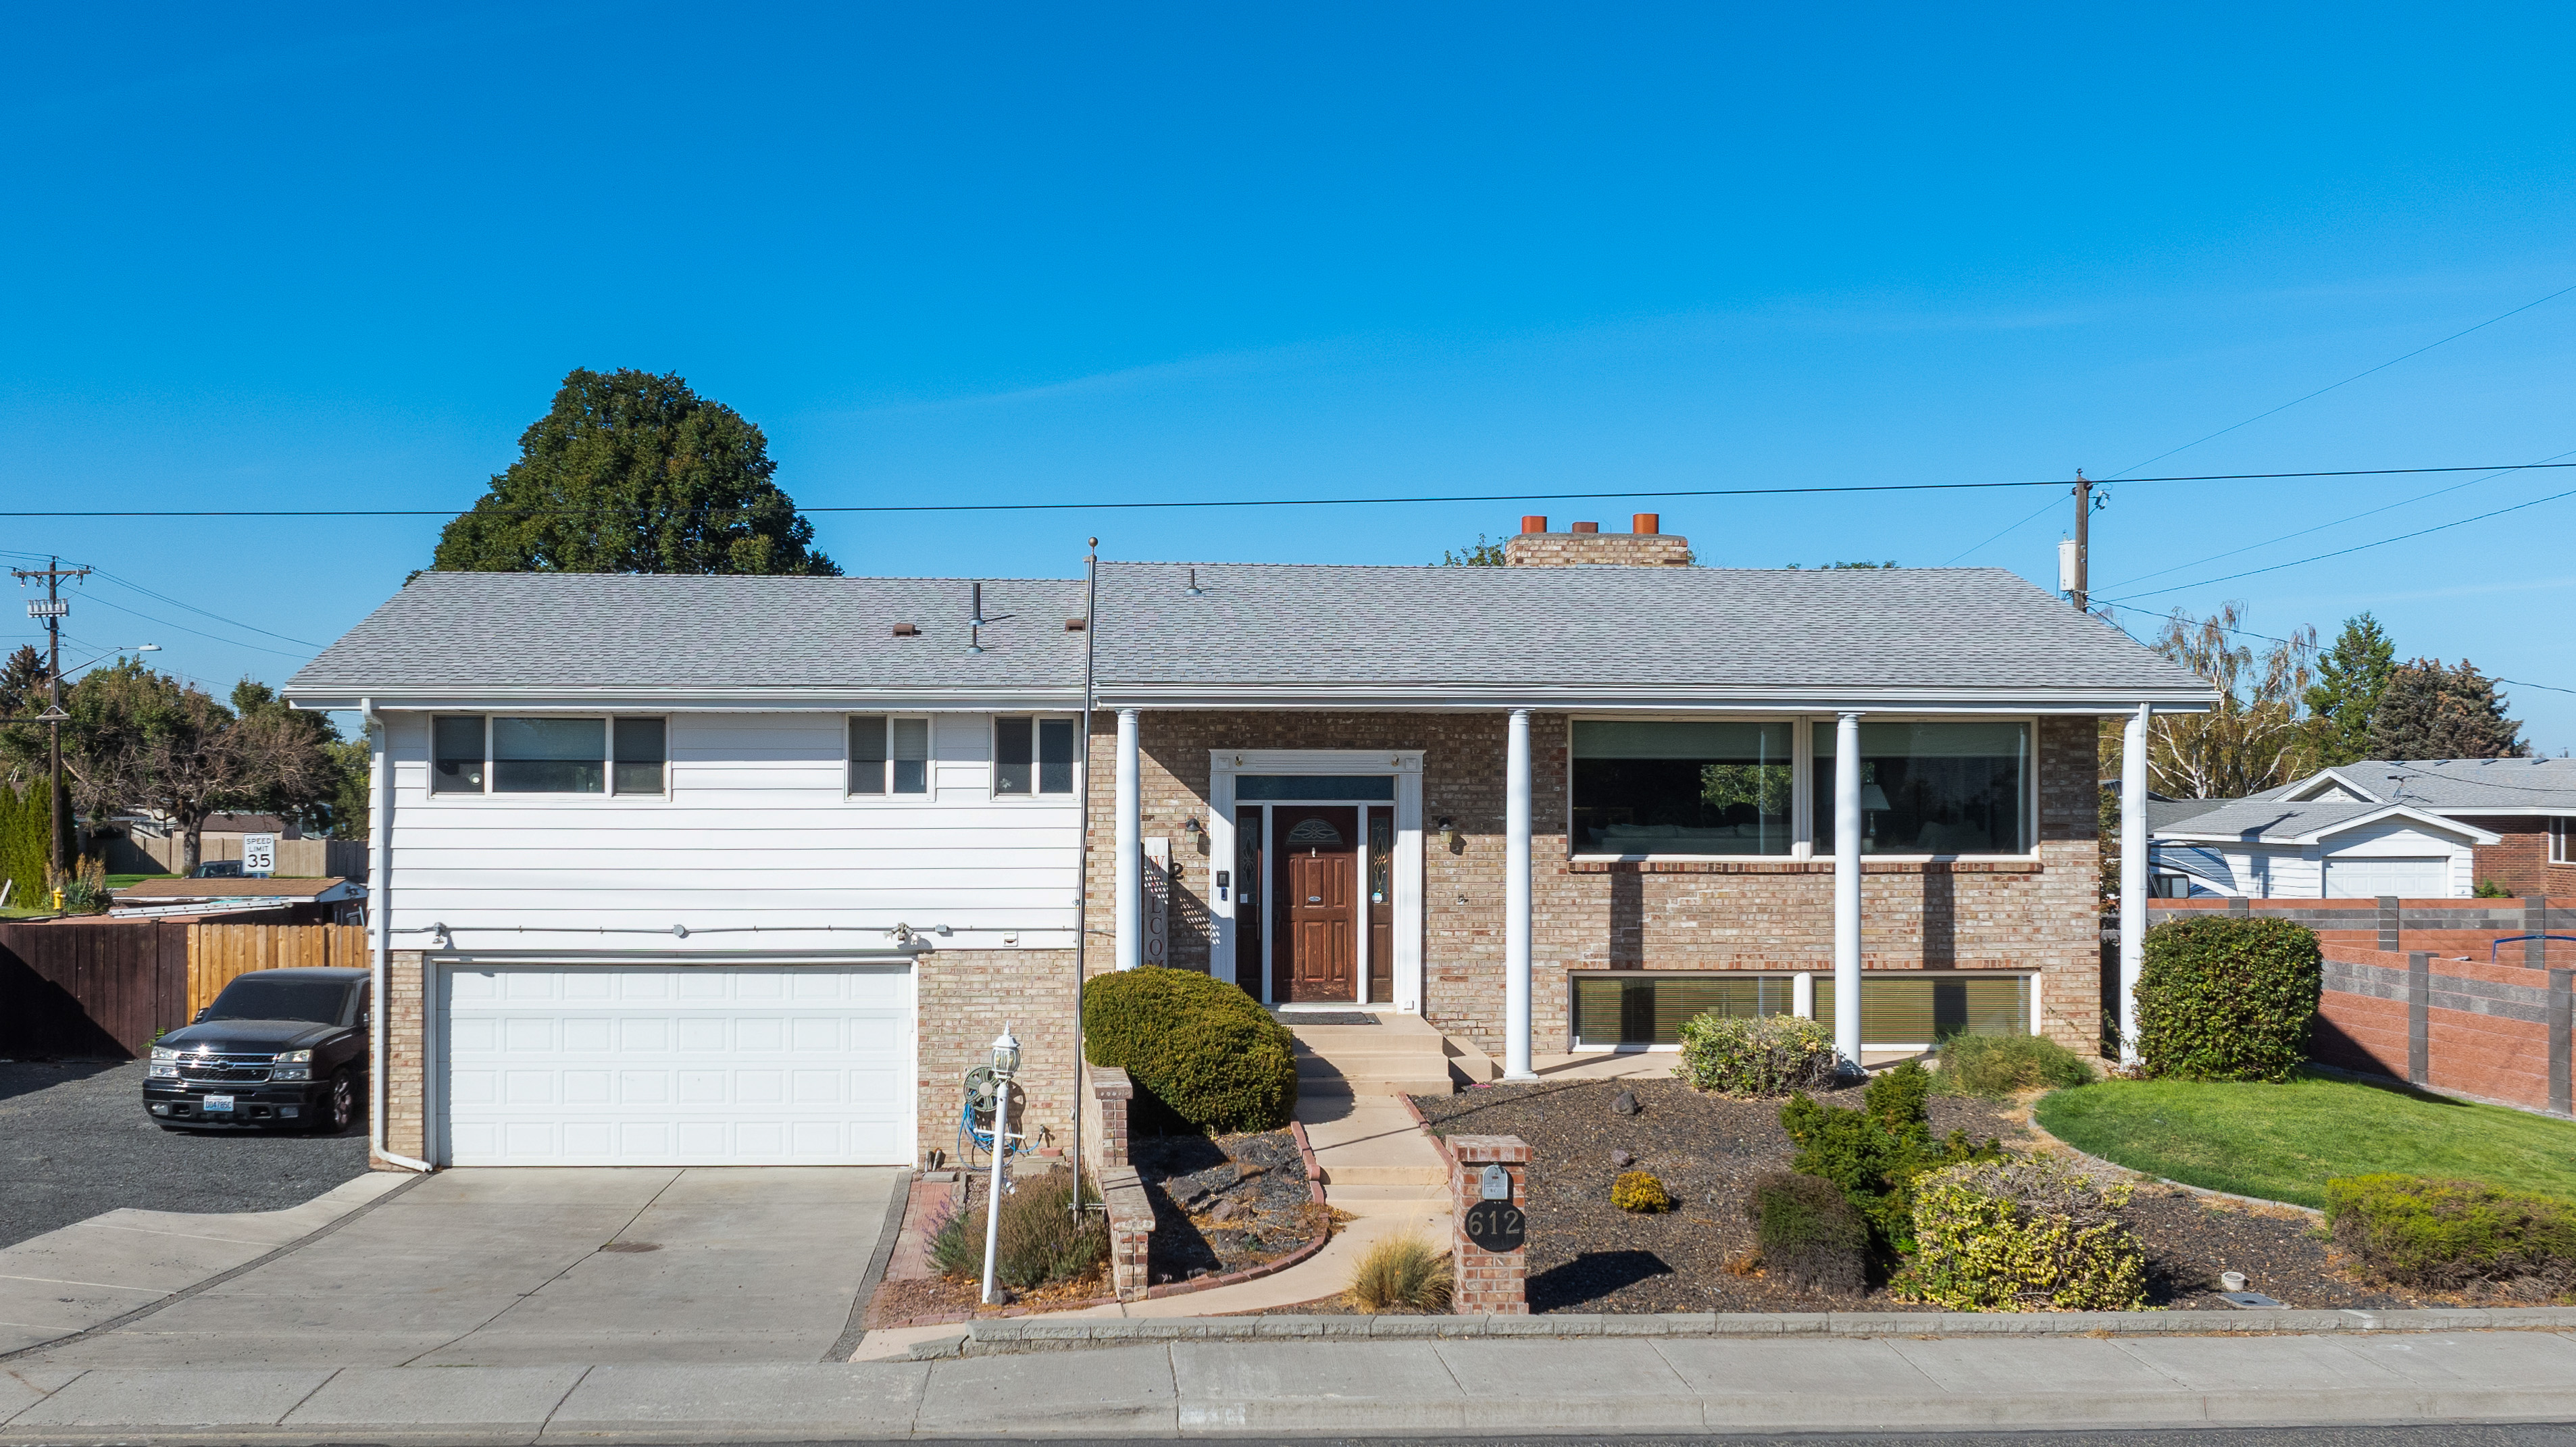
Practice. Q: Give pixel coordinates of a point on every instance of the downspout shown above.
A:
(380, 823)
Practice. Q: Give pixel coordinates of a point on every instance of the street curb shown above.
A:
(990, 1337)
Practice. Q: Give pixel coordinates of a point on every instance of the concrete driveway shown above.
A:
(528, 1267)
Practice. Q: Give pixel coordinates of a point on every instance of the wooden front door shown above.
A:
(1316, 873)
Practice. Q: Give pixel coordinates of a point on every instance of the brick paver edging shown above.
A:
(1043, 1333)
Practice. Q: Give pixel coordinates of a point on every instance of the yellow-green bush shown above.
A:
(2453, 1235)
(2024, 1233)
(1736, 1055)
(1640, 1191)
(1201, 1047)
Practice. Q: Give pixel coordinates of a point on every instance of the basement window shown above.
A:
(1899, 1009)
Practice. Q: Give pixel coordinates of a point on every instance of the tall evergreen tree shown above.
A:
(2430, 711)
(2351, 676)
(634, 473)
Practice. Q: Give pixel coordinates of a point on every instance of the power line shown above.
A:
(2355, 377)
(201, 633)
(2016, 527)
(1201, 503)
(2303, 532)
(2358, 547)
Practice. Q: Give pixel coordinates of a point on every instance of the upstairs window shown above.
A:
(889, 755)
(549, 756)
(1032, 756)
(641, 754)
(1933, 788)
(1682, 788)
(456, 754)
(2558, 841)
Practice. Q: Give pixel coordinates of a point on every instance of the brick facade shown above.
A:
(1769, 914)
(406, 1126)
(2520, 863)
(965, 997)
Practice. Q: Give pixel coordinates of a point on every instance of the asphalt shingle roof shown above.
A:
(1915, 628)
(2466, 785)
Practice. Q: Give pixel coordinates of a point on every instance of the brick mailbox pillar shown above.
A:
(1488, 1281)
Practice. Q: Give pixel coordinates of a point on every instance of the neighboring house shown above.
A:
(722, 869)
(243, 901)
(2426, 829)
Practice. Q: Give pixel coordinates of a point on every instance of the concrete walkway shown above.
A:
(530, 1269)
(1348, 1388)
(94, 1271)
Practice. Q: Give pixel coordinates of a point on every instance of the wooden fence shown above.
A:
(218, 952)
(93, 990)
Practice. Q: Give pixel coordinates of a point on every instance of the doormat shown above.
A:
(1326, 1017)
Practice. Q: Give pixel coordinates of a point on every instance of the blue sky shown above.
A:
(341, 257)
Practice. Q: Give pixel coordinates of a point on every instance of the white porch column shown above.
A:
(1130, 844)
(2133, 875)
(1516, 899)
(1847, 827)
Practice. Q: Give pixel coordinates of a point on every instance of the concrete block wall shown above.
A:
(1770, 914)
(2463, 1026)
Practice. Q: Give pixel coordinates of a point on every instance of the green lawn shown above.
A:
(121, 881)
(2282, 1142)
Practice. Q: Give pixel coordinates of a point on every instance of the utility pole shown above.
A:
(2082, 590)
(52, 609)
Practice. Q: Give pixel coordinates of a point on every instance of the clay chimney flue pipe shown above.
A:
(1587, 527)
(1533, 523)
(1646, 522)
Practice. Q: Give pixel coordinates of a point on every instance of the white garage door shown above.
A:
(2405, 878)
(656, 1065)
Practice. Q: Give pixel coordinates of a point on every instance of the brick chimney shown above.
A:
(1645, 545)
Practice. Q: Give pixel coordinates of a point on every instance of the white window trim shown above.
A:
(1802, 800)
(607, 759)
(993, 751)
(1405, 767)
(2558, 840)
(929, 765)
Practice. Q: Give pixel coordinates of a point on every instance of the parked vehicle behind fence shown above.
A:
(278, 1049)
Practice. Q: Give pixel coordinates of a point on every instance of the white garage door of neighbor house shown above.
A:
(2405, 878)
(693, 1065)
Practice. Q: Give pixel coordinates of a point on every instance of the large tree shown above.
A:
(318, 793)
(2351, 676)
(2255, 736)
(634, 473)
(141, 740)
(2430, 711)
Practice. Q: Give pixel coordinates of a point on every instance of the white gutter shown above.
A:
(380, 823)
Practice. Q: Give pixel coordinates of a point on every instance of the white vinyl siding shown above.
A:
(692, 1065)
(754, 827)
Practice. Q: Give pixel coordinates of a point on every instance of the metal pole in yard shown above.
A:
(1082, 854)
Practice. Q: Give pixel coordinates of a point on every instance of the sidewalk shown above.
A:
(1213, 1389)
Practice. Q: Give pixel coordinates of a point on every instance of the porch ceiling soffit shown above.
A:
(1487, 698)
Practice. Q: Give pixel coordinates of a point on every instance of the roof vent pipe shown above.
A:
(978, 620)
(1195, 590)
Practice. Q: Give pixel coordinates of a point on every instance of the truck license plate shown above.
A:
(218, 1105)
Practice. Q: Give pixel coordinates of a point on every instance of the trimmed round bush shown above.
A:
(2024, 1233)
(2228, 998)
(2455, 1235)
(1765, 1055)
(1639, 1191)
(1206, 1050)
(1995, 1066)
(1810, 1238)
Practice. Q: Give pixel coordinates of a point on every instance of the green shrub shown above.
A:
(1768, 1055)
(2454, 1235)
(2016, 1234)
(1995, 1066)
(26, 826)
(1639, 1191)
(1041, 1240)
(2491, 889)
(1401, 1273)
(84, 887)
(1206, 1050)
(1873, 1154)
(2227, 998)
(1810, 1238)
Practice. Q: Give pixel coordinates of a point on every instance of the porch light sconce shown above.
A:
(1198, 836)
(1448, 833)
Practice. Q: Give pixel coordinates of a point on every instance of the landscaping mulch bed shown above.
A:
(1224, 1203)
(1587, 1255)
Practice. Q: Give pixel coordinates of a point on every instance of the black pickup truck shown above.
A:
(278, 1049)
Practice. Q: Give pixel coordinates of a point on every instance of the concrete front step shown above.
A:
(1413, 1177)
(1363, 1089)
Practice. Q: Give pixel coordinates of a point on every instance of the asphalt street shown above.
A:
(2425, 1436)
(74, 1141)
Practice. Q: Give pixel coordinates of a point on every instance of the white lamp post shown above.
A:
(1006, 1063)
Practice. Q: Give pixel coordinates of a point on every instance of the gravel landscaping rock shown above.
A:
(74, 1141)
(1224, 1203)
(1587, 1255)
